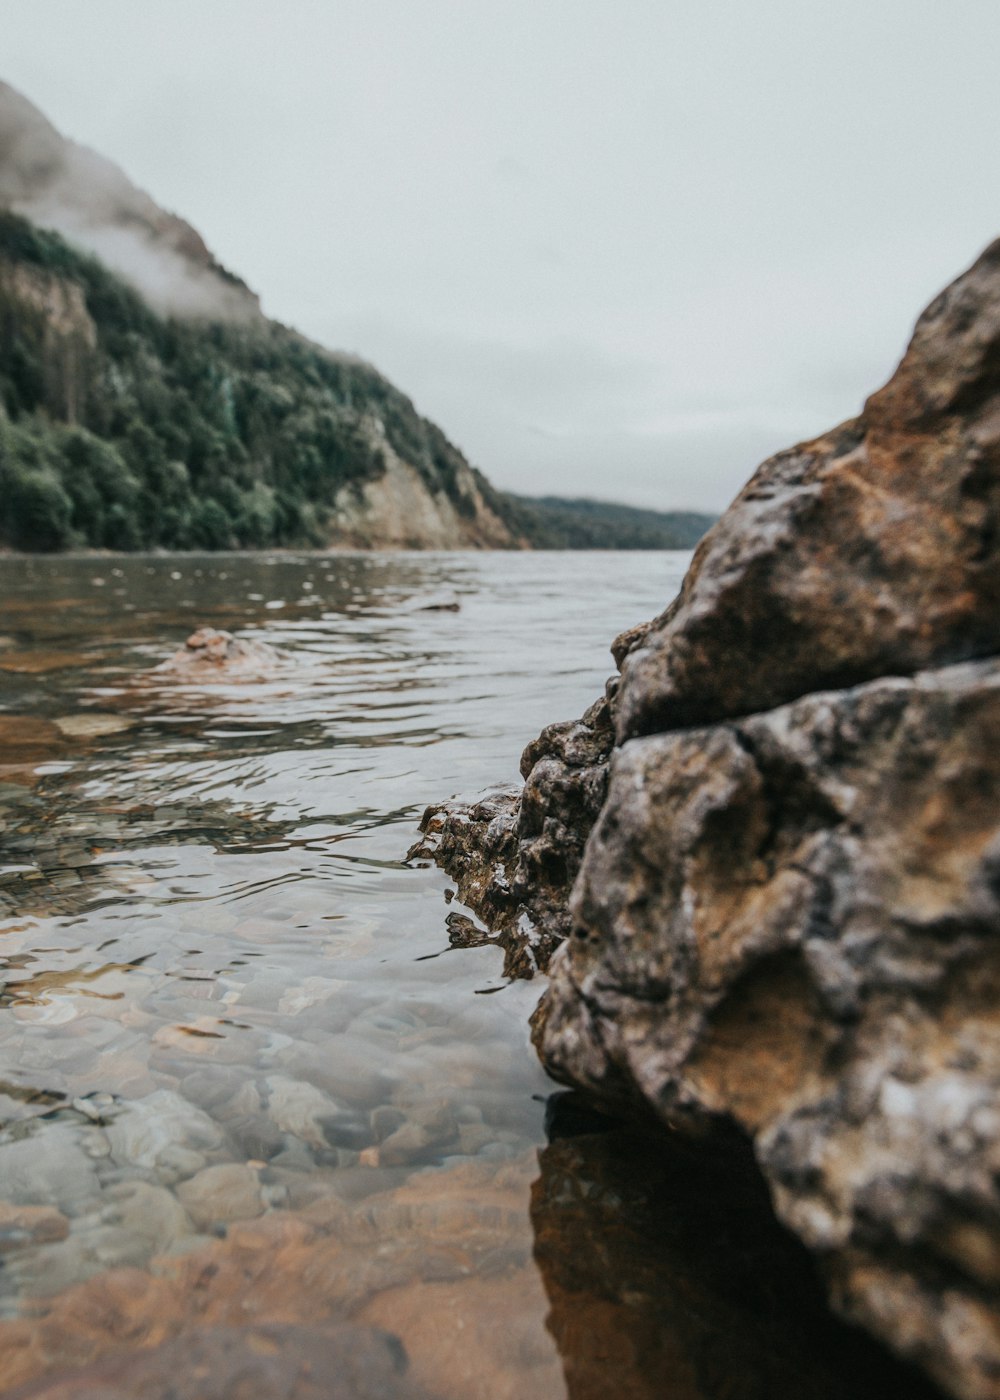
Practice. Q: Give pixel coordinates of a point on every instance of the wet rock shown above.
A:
(23, 1225)
(476, 842)
(255, 1136)
(870, 551)
(48, 1165)
(385, 1120)
(300, 1109)
(514, 855)
(26, 740)
(92, 725)
(223, 1092)
(222, 1193)
(312, 991)
(164, 1134)
(263, 1362)
(347, 1068)
(791, 921)
(784, 915)
(349, 1130)
(92, 1246)
(209, 654)
(151, 1213)
(444, 1245)
(429, 1130)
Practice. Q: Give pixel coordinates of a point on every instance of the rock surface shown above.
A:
(786, 914)
(210, 654)
(514, 855)
(245, 1363)
(871, 551)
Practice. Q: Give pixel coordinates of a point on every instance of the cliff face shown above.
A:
(781, 891)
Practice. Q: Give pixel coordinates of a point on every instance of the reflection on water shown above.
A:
(243, 1076)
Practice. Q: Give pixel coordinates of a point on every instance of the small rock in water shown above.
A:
(222, 1194)
(309, 993)
(300, 1109)
(208, 653)
(48, 1166)
(269, 1362)
(21, 1225)
(151, 1212)
(165, 1134)
(91, 726)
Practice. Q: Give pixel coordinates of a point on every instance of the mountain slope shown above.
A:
(146, 401)
(127, 430)
(557, 522)
(62, 186)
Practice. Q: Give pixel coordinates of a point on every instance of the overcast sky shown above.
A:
(621, 248)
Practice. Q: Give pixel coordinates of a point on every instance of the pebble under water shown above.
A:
(262, 1130)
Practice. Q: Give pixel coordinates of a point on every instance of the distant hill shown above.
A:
(125, 430)
(552, 522)
(147, 402)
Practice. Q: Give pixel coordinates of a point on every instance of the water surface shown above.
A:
(243, 1076)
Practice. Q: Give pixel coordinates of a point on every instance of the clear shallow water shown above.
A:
(242, 1074)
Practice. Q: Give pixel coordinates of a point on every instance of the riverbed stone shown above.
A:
(27, 1225)
(165, 1134)
(49, 1166)
(219, 1194)
(301, 1109)
(150, 1212)
(212, 653)
(253, 1362)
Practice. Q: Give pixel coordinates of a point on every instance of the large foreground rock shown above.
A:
(782, 897)
(871, 551)
(792, 921)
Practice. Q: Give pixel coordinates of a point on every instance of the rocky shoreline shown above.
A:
(763, 871)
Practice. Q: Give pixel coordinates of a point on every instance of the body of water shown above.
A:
(244, 1081)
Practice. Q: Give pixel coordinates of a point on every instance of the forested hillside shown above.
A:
(554, 522)
(124, 429)
(147, 402)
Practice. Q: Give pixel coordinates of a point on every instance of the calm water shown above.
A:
(242, 1074)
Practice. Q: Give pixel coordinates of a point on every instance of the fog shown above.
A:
(61, 185)
(615, 249)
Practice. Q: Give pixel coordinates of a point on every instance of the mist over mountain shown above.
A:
(147, 402)
(69, 188)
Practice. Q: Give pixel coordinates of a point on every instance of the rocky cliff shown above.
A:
(764, 870)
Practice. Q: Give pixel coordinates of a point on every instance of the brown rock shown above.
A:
(21, 1225)
(786, 914)
(790, 921)
(230, 1191)
(208, 653)
(264, 1362)
(870, 551)
(515, 855)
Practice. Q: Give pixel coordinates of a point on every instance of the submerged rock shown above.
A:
(208, 653)
(261, 1362)
(783, 891)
